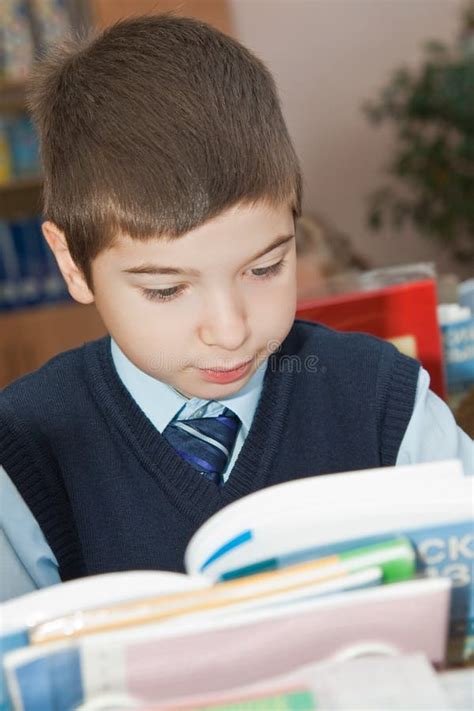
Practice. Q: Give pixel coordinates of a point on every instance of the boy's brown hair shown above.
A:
(153, 127)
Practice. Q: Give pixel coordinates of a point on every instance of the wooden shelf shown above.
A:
(12, 84)
(29, 337)
(33, 181)
(20, 184)
(20, 197)
(12, 95)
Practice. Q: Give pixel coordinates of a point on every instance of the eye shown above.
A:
(272, 270)
(163, 294)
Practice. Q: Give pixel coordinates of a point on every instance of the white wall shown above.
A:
(328, 57)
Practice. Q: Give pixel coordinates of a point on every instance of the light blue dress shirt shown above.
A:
(28, 563)
(161, 403)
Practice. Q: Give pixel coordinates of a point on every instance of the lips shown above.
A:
(226, 375)
(228, 370)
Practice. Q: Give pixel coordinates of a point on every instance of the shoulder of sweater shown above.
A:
(356, 358)
(307, 335)
(359, 370)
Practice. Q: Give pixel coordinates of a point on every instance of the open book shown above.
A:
(314, 569)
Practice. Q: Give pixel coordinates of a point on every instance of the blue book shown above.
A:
(29, 275)
(54, 287)
(24, 148)
(458, 341)
(444, 550)
(9, 269)
(30, 261)
(430, 504)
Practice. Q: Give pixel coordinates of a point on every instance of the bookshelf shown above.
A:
(12, 94)
(20, 196)
(30, 335)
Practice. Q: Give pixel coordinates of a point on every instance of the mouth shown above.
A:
(226, 375)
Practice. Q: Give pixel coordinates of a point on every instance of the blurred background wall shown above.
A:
(216, 12)
(328, 57)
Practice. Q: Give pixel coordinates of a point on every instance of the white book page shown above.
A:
(219, 655)
(161, 662)
(371, 683)
(301, 530)
(312, 511)
(458, 685)
(92, 592)
(368, 484)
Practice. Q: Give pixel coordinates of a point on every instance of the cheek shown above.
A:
(142, 324)
(273, 309)
(156, 341)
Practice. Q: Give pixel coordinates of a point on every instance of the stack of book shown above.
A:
(29, 26)
(457, 327)
(19, 150)
(286, 593)
(29, 275)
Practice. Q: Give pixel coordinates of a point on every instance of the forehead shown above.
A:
(237, 234)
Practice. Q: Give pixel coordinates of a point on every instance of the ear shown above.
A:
(73, 276)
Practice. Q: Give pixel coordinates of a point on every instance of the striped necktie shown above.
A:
(205, 442)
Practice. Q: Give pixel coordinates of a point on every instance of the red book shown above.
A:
(402, 313)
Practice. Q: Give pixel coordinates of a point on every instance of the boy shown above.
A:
(171, 190)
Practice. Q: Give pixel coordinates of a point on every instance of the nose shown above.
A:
(224, 323)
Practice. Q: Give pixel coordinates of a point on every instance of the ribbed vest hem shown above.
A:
(398, 406)
(31, 470)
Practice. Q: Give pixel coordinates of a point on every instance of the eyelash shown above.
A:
(173, 291)
(266, 272)
(163, 294)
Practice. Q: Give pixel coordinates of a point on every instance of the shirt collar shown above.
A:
(161, 403)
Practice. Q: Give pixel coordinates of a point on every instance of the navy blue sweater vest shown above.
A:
(111, 494)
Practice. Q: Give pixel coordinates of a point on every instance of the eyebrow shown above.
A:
(155, 269)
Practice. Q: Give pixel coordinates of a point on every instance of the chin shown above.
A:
(208, 391)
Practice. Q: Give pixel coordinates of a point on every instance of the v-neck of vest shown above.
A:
(192, 494)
